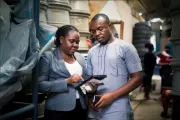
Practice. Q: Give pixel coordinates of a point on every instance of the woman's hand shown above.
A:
(74, 79)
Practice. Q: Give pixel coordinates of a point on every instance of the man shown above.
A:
(119, 61)
(149, 64)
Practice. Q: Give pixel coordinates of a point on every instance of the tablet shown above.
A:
(98, 77)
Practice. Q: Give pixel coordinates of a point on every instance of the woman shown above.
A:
(59, 72)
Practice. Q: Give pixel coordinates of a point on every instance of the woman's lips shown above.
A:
(73, 50)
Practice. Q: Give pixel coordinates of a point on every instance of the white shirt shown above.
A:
(74, 68)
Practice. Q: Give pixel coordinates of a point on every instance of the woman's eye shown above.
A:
(100, 28)
(92, 32)
(76, 41)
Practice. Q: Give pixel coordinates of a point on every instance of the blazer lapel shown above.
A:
(80, 61)
(60, 63)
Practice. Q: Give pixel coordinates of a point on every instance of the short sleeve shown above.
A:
(132, 60)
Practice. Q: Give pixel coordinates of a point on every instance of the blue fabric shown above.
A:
(116, 60)
(52, 78)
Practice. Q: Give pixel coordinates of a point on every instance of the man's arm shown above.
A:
(108, 98)
(133, 83)
(133, 65)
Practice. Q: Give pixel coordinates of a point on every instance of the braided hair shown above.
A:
(63, 31)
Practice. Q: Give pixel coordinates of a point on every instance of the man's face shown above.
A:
(100, 30)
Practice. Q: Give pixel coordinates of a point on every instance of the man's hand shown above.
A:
(105, 100)
(90, 101)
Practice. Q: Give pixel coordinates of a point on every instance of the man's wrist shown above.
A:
(114, 96)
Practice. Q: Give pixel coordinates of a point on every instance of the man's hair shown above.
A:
(104, 16)
(63, 31)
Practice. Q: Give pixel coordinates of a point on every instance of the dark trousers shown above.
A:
(76, 114)
(147, 82)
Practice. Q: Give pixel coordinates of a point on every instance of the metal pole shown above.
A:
(35, 70)
(36, 16)
(17, 112)
(175, 39)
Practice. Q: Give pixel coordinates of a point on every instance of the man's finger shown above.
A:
(99, 96)
(101, 105)
(99, 102)
(93, 107)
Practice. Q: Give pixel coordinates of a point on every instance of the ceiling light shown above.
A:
(157, 20)
(140, 14)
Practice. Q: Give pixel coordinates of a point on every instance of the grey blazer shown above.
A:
(52, 79)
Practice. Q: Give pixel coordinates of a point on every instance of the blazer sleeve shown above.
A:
(44, 84)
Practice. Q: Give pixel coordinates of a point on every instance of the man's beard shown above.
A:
(106, 41)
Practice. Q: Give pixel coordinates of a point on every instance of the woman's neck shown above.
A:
(67, 58)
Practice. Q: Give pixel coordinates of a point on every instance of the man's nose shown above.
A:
(97, 32)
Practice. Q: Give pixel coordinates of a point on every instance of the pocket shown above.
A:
(121, 66)
(113, 70)
(117, 66)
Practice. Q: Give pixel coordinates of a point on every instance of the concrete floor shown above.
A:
(148, 109)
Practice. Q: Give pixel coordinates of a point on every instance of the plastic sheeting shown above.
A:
(24, 10)
(19, 49)
(48, 47)
(7, 92)
(4, 22)
(46, 33)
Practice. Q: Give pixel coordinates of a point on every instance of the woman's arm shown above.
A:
(45, 85)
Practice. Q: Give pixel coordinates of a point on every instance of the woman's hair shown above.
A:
(63, 31)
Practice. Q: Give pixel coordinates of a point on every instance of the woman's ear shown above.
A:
(61, 39)
(110, 25)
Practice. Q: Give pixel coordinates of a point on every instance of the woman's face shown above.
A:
(70, 43)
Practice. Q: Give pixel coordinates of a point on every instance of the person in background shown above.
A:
(165, 70)
(165, 100)
(165, 57)
(166, 75)
(149, 64)
(59, 72)
(120, 62)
